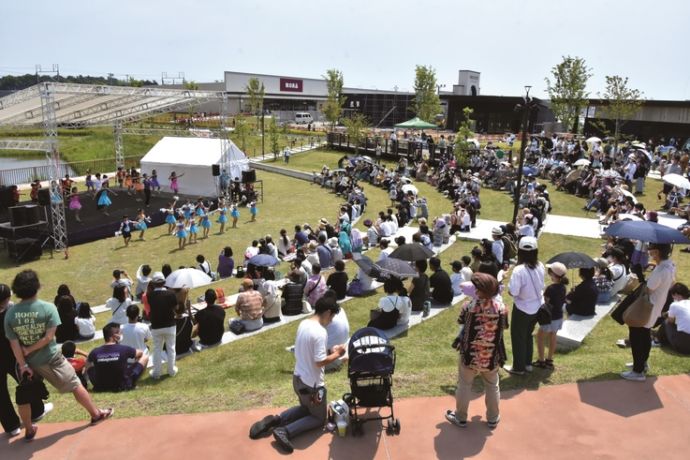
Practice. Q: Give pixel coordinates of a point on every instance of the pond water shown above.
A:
(24, 170)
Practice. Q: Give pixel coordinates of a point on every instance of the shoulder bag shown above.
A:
(640, 310)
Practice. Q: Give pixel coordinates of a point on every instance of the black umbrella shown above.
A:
(573, 260)
(396, 267)
(650, 232)
(412, 252)
(263, 260)
(368, 266)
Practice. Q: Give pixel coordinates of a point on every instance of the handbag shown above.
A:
(623, 305)
(236, 327)
(355, 288)
(640, 310)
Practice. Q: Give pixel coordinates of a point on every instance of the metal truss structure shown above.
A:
(52, 105)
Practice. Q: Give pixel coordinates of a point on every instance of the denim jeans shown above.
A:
(307, 416)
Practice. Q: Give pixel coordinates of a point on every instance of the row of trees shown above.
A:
(19, 82)
(567, 89)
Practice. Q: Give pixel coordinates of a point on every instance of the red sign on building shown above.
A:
(291, 84)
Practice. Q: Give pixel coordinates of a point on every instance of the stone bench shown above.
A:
(576, 328)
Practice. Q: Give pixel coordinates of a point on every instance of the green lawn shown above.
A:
(256, 371)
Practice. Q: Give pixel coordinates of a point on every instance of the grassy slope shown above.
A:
(256, 371)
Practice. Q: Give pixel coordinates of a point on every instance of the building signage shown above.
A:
(292, 85)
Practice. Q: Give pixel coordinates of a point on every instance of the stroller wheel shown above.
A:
(396, 426)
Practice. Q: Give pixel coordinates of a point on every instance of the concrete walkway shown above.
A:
(599, 420)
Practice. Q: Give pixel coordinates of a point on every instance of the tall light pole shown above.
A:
(526, 108)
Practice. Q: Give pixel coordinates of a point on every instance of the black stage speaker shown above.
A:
(6, 197)
(215, 170)
(44, 196)
(32, 213)
(24, 249)
(18, 216)
(249, 176)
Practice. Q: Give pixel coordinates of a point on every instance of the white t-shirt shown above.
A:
(680, 311)
(659, 282)
(338, 331)
(310, 348)
(135, 335)
(527, 288)
(119, 309)
(87, 326)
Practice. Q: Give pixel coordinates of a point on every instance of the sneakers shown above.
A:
(494, 424)
(174, 372)
(450, 416)
(16, 432)
(47, 407)
(281, 437)
(510, 370)
(630, 366)
(633, 376)
(30, 435)
(622, 343)
(264, 426)
(529, 368)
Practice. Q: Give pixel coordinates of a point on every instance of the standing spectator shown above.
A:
(526, 286)
(439, 282)
(163, 303)
(8, 417)
(307, 381)
(109, 367)
(497, 244)
(658, 284)
(143, 279)
(210, 322)
(554, 297)
(482, 350)
(30, 328)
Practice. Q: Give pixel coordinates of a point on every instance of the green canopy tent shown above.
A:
(416, 123)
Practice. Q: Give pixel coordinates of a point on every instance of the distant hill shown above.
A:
(19, 82)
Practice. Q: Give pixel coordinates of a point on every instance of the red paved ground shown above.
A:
(615, 419)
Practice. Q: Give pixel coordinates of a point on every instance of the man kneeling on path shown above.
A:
(109, 366)
(308, 379)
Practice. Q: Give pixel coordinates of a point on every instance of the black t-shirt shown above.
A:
(420, 291)
(67, 330)
(338, 282)
(442, 289)
(556, 295)
(183, 340)
(211, 322)
(111, 370)
(163, 305)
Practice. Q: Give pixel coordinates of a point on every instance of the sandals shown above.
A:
(548, 364)
(104, 414)
(540, 364)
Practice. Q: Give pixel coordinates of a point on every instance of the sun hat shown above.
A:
(157, 277)
(497, 231)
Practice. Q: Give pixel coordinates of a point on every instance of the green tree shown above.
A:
(333, 106)
(567, 90)
(191, 85)
(242, 131)
(426, 103)
(463, 146)
(274, 137)
(255, 92)
(621, 102)
(355, 127)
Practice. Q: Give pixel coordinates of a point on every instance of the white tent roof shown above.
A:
(186, 151)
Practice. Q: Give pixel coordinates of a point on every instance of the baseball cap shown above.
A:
(528, 243)
(557, 268)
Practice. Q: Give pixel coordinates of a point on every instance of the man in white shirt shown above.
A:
(308, 382)
(135, 334)
(497, 245)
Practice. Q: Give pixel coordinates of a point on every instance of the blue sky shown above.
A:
(376, 43)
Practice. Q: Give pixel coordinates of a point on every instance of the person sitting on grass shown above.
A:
(337, 281)
(394, 308)
(210, 322)
(675, 330)
(316, 285)
(135, 334)
(249, 307)
(554, 297)
(108, 366)
(77, 358)
(439, 282)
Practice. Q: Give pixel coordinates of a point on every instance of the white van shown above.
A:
(303, 118)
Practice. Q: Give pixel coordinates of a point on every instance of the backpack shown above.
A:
(509, 249)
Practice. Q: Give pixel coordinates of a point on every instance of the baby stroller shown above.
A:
(370, 370)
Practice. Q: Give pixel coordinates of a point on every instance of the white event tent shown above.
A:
(193, 157)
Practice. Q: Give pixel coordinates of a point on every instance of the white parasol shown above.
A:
(187, 278)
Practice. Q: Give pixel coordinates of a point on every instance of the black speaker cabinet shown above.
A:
(44, 196)
(18, 216)
(6, 197)
(32, 213)
(215, 170)
(249, 176)
(24, 249)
